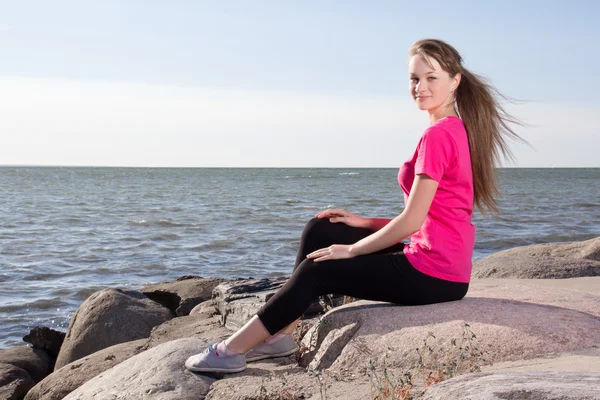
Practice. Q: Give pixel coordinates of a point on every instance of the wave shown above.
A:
(585, 205)
(40, 304)
(215, 244)
(158, 222)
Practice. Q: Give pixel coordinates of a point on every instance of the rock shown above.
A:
(504, 330)
(34, 361)
(586, 360)
(157, 373)
(534, 385)
(238, 301)
(68, 378)
(14, 382)
(581, 294)
(182, 295)
(548, 260)
(332, 346)
(188, 326)
(110, 317)
(205, 309)
(63, 381)
(45, 338)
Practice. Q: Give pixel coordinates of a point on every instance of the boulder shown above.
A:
(34, 361)
(188, 326)
(480, 329)
(585, 360)
(68, 378)
(239, 300)
(535, 385)
(182, 295)
(14, 382)
(581, 294)
(547, 260)
(206, 309)
(157, 373)
(45, 338)
(110, 317)
(63, 381)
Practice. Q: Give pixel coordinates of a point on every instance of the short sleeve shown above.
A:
(435, 153)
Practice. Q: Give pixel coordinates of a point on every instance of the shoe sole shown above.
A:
(230, 370)
(265, 356)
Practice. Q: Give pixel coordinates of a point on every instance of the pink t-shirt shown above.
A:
(443, 247)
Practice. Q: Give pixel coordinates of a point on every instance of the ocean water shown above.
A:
(67, 232)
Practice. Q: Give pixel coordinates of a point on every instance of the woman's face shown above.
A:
(432, 89)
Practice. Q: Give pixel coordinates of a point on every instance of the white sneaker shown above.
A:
(281, 348)
(208, 361)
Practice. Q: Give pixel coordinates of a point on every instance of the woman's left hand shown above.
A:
(333, 252)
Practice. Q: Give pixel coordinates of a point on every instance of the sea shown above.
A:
(67, 232)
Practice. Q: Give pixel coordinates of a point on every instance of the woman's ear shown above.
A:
(456, 81)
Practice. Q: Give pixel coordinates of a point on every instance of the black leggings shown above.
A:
(386, 275)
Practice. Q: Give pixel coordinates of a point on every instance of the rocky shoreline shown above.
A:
(529, 326)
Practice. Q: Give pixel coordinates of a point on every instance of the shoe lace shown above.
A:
(209, 349)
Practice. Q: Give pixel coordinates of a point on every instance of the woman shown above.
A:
(452, 169)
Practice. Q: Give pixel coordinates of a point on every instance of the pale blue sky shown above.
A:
(279, 83)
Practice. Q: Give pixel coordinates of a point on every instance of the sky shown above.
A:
(281, 83)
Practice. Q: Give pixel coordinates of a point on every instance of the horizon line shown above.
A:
(247, 167)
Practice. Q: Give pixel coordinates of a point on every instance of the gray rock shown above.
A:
(188, 326)
(548, 260)
(532, 385)
(14, 382)
(47, 339)
(184, 294)
(331, 347)
(34, 361)
(68, 378)
(110, 317)
(205, 309)
(505, 330)
(239, 300)
(157, 373)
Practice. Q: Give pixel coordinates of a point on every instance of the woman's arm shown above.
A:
(408, 222)
(376, 224)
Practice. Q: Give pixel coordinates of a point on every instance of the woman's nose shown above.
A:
(421, 87)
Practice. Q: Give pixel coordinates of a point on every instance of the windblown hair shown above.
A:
(486, 121)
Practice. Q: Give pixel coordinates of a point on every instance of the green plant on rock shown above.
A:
(432, 366)
(322, 381)
(389, 387)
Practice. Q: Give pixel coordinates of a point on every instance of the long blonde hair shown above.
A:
(486, 121)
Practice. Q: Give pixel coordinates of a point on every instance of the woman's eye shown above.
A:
(431, 78)
(414, 79)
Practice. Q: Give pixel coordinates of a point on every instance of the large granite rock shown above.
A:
(239, 300)
(581, 294)
(68, 378)
(14, 382)
(34, 361)
(73, 375)
(536, 385)
(548, 260)
(509, 324)
(361, 333)
(184, 294)
(47, 339)
(189, 326)
(158, 373)
(110, 317)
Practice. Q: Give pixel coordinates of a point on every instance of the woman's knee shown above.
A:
(306, 270)
(315, 226)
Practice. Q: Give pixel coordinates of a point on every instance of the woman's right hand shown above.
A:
(346, 217)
